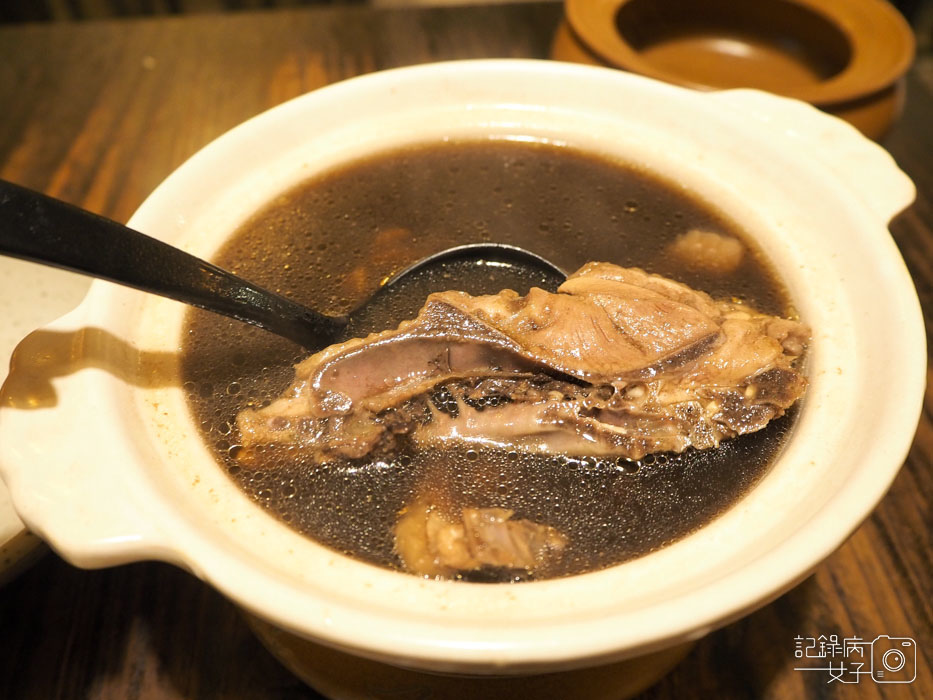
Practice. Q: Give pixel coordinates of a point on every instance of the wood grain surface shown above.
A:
(99, 113)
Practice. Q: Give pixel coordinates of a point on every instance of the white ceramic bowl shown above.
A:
(111, 469)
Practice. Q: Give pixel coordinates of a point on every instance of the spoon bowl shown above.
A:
(486, 253)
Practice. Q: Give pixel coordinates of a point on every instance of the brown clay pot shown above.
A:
(342, 676)
(847, 57)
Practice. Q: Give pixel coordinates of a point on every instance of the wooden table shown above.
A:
(99, 113)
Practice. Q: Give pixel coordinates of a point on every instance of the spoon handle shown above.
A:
(45, 230)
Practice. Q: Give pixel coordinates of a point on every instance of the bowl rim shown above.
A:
(876, 60)
(489, 650)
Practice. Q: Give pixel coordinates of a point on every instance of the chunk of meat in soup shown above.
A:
(617, 362)
(435, 541)
(714, 253)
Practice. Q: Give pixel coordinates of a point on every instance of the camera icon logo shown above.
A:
(893, 659)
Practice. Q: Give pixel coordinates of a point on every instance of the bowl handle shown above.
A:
(58, 461)
(863, 166)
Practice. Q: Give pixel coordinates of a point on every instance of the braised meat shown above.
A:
(617, 362)
(711, 252)
(435, 541)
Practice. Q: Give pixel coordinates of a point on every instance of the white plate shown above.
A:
(30, 296)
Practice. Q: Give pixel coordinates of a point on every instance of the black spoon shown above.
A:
(49, 231)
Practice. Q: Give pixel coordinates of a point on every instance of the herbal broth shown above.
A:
(329, 242)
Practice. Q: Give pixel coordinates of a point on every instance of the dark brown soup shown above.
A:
(329, 242)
